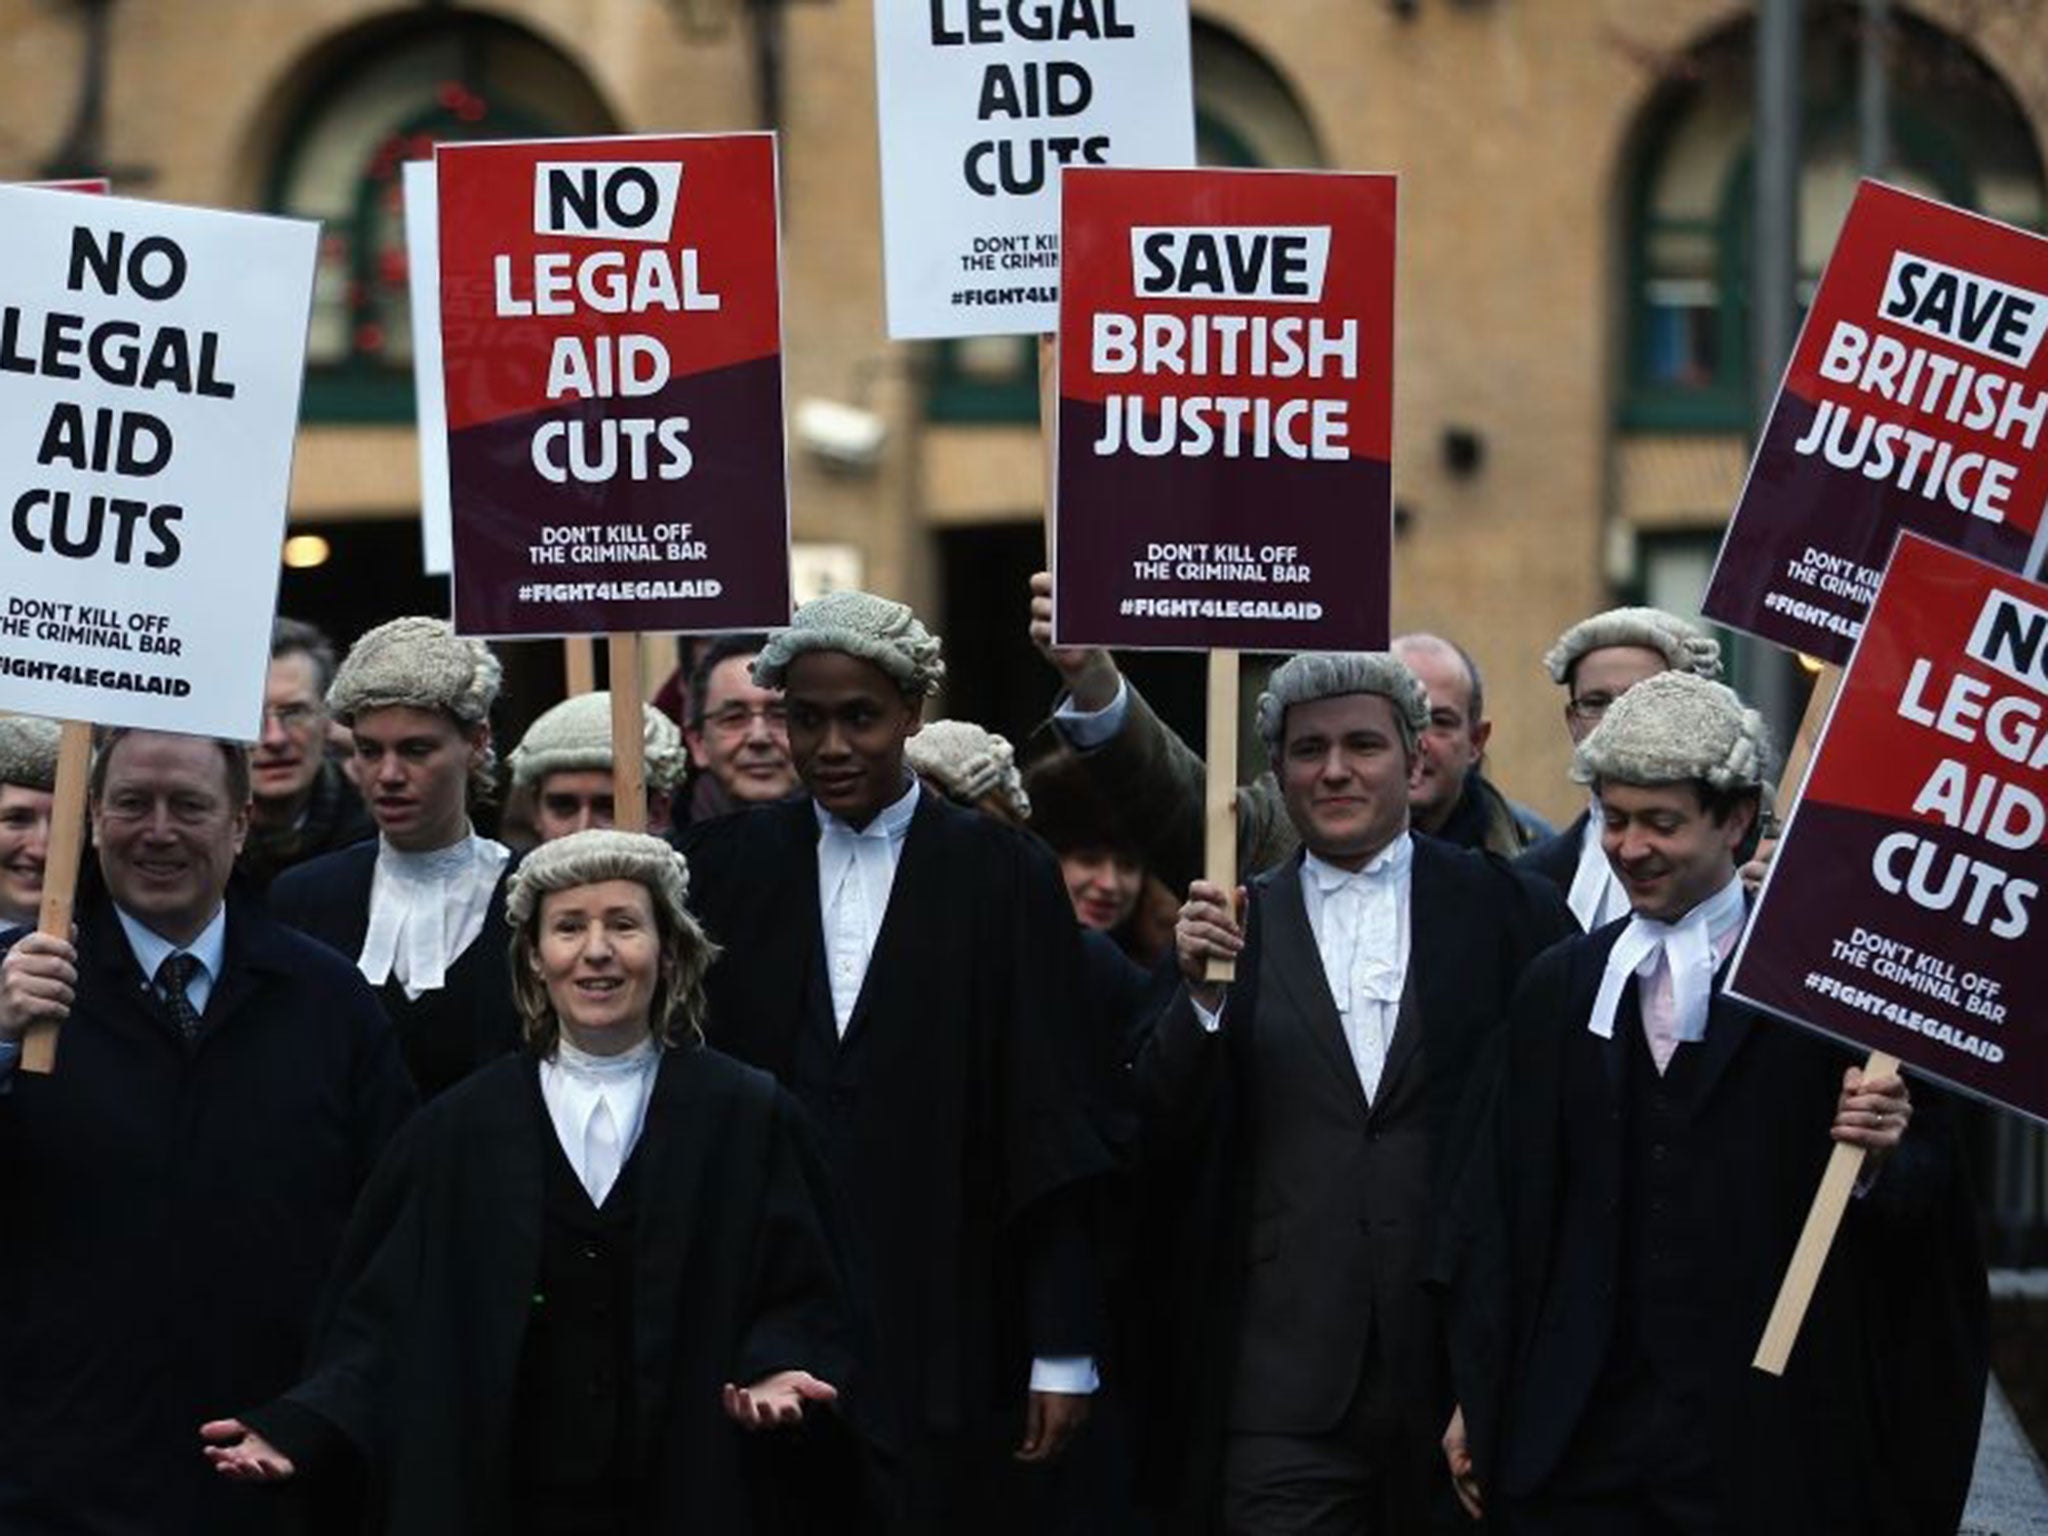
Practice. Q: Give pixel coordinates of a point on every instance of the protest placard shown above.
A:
(1226, 411)
(150, 364)
(1903, 911)
(611, 337)
(1916, 398)
(430, 406)
(982, 103)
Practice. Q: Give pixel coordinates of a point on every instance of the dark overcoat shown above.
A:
(444, 1034)
(167, 1216)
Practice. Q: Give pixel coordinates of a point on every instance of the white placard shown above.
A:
(150, 364)
(981, 102)
(423, 284)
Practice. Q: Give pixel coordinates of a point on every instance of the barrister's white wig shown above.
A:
(601, 853)
(1685, 647)
(576, 735)
(969, 762)
(1317, 675)
(860, 624)
(416, 663)
(1675, 728)
(28, 751)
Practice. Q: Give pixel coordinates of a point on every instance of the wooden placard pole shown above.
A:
(579, 665)
(1845, 1164)
(629, 738)
(1219, 794)
(60, 871)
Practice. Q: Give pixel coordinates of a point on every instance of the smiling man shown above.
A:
(738, 733)
(908, 968)
(1309, 1107)
(1646, 1170)
(170, 1197)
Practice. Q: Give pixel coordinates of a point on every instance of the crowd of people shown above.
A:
(867, 1147)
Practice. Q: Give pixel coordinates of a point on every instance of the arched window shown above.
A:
(381, 99)
(1244, 116)
(1956, 134)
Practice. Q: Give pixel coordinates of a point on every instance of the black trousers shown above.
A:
(1380, 1472)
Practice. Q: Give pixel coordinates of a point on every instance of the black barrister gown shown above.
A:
(1873, 1428)
(734, 1274)
(954, 1109)
(444, 1034)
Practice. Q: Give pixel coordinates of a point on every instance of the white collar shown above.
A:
(638, 1058)
(1690, 946)
(426, 909)
(892, 821)
(152, 948)
(1391, 862)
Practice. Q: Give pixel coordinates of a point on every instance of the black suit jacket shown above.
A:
(954, 1108)
(1348, 1248)
(167, 1215)
(1556, 857)
(446, 1034)
(1873, 1426)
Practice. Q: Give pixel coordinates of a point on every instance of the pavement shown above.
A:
(2009, 1495)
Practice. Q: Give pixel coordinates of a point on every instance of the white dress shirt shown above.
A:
(426, 909)
(1360, 921)
(1597, 896)
(598, 1105)
(152, 949)
(856, 872)
(1361, 925)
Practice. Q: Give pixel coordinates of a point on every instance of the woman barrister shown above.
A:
(567, 1266)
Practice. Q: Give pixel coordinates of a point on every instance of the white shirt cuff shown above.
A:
(1088, 728)
(1074, 1375)
(1211, 1020)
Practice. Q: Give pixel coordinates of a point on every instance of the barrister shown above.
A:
(907, 968)
(1309, 1111)
(1652, 1152)
(411, 908)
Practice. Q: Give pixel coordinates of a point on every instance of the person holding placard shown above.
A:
(1596, 661)
(1155, 780)
(172, 1195)
(28, 779)
(909, 970)
(565, 762)
(412, 906)
(583, 1276)
(1645, 1167)
(1309, 1111)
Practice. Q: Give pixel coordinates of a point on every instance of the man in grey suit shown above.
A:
(1301, 1129)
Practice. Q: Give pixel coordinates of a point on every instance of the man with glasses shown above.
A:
(303, 804)
(1596, 661)
(565, 760)
(738, 734)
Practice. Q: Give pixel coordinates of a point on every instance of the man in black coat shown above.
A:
(907, 968)
(1648, 1161)
(1596, 661)
(1302, 1124)
(170, 1197)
